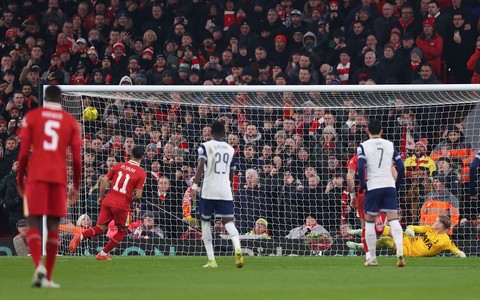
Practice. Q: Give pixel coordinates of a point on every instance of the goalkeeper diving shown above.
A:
(430, 241)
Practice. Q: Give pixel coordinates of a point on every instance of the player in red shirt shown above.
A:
(47, 132)
(357, 201)
(128, 179)
(356, 198)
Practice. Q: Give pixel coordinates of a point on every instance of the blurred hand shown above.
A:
(72, 197)
(193, 193)
(409, 231)
(353, 202)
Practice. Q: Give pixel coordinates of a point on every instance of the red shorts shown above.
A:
(45, 198)
(108, 213)
(360, 208)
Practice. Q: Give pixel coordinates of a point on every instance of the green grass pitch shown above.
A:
(262, 278)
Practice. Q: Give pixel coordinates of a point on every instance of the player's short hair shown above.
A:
(374, 126)
(138, 151)
(53, 94)
(218, 128)
(445, 220)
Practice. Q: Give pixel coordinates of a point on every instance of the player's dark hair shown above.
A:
(137, 152)
(374, 126)
(53, 94)
(218, 129)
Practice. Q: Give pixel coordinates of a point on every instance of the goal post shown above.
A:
(292, 145)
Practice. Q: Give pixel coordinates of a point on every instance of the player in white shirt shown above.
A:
(375, 157)
(217, 160)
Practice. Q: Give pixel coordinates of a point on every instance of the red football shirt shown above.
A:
(124, 179)
(49, 131)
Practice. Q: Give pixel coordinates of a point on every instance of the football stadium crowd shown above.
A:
(291, 162)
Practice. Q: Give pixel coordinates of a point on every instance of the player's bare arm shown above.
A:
(196, 179)
(72, 196)
(103, 187)
(394, 173)
(137, 194)
(351, 187)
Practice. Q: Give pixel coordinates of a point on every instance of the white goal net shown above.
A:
(292, 145)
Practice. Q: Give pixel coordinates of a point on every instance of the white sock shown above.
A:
(397, 234)
(371, 239)
(367, 255)
(233, 232)
(103, 253)
(207, 239)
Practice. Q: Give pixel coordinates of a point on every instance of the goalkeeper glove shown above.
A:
(460, 254)
(409, 231)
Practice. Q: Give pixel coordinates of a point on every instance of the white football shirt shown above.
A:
(378, 154)
(219, 161)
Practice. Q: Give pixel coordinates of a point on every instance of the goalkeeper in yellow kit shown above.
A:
(432, 240)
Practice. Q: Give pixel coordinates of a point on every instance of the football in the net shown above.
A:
(90, 113)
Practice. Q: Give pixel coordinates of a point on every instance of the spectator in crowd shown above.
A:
(427, 76)
(431, 44)
(252, 136)
(409, 22)
(419, 158)
(310, 226)
(454, 140)
(384, 24)
(412, 71)
(68, 228)
(440, 202)
(248, 160)
(371, 69)
(20, 241)
(253, 202)
(9, 198)
(438, 19)
(260, 229)
(148, 229)
(452, 182)
(391, 65)
(459, 46)
(418, 187)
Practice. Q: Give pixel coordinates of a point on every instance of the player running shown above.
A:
(48, 132)
(217, 160)
(128, 179)
(375, 159)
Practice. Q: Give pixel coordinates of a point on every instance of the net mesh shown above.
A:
(292, 149)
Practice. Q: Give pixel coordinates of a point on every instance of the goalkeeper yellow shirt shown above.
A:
(428, 244)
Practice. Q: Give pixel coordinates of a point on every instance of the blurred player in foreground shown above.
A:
(128, 180)
(432, 240)
(216, 159)
(375, 157)
(48, 132)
